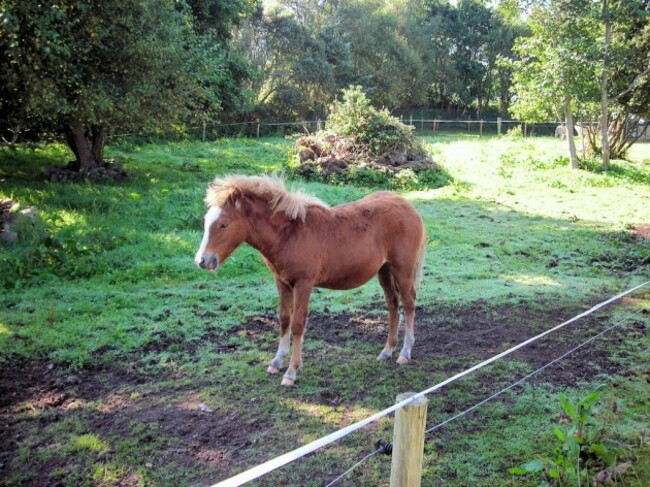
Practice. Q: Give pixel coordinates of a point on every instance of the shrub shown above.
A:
(366, 147)
(354, 117)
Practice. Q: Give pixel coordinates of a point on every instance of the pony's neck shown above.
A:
(265, 228)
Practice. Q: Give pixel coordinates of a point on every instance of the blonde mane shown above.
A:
(271, 189)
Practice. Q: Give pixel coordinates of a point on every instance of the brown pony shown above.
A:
(307, 244)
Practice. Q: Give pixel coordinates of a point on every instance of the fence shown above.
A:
(409, 432)
(423, 127)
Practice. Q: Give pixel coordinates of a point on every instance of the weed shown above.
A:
(581, 451)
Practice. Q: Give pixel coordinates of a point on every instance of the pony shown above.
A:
(306, 244)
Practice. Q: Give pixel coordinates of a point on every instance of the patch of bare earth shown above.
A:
(198, 437)
(642, 230)
(471, 335)
(35, 396)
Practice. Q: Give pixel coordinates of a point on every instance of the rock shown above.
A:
(10, 218)
(108, 172)
(328, 154)
(330, 138)
(205, 409)
(8, 236)
(395, 157)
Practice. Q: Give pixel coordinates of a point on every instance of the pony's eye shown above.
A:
(223, 225)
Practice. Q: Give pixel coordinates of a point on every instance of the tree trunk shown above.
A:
(573, 155)
(87, 157)
(604, 98)
(99, 134)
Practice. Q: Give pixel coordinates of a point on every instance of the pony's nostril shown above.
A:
(201, 263)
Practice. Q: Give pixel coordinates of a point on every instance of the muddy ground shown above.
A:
(36, 395)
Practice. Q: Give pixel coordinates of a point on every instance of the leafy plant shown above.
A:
(580, 445)
(356, 118)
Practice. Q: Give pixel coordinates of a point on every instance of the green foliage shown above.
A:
(580, 448)
(557, 61)
(354, 117)
(469, 38)
(406, 180)
(404, 53)
(563, 59)
(295, 63)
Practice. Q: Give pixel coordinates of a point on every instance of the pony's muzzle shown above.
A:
(211, 263)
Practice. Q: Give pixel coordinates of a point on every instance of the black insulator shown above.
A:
(384, 447)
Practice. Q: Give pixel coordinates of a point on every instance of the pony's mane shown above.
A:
(271, 189)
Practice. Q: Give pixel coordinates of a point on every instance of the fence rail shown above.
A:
(423, 126)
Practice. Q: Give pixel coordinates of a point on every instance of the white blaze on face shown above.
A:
(210, 217)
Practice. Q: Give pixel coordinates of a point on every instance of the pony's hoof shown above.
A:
(402, 360)
(288, 382)
(272, 370)
(383, 356)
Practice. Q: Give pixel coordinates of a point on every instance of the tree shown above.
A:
(386, 51)
(592, 56)
(625, 77)
(467, 40)
(79, 68)
(296, 58)
(554, 73)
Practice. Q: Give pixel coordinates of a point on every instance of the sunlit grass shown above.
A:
(88, 442)
(532, 280)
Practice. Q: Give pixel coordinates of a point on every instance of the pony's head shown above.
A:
(227, 223)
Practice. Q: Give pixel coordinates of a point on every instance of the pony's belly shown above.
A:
(348, 280)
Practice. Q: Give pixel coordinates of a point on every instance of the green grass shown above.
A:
(106, 281)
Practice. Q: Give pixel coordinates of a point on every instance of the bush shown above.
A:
(354, 117)
(366, 147)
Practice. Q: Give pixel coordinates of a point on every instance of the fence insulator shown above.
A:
(384, 447)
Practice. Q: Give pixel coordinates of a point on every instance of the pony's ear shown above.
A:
(236, 195)
(236, 198)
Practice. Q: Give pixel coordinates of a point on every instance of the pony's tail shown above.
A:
(419, 261)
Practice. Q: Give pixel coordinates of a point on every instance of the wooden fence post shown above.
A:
(203, 132)
(499, 125)
(408, 442)
(258, 130)
(481, 129)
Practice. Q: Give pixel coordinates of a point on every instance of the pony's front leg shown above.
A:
(301, 294)
(285, 308)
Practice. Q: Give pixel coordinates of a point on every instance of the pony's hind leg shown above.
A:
(392, 300)
(285, 309)
(407, 293)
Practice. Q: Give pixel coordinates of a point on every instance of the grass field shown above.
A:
(123, 364)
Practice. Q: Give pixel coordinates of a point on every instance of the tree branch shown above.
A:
(634, 83)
